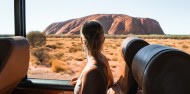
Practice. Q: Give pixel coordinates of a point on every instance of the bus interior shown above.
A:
(157, 69)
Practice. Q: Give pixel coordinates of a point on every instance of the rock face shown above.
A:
(112, 24)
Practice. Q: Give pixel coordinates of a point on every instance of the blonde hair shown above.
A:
(92, 34)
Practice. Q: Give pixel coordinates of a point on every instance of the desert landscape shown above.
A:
(63, 58)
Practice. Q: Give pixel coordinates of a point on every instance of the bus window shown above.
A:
(60, 55)
(6, 17)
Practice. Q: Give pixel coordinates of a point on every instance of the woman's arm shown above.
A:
(74, 80)
(93, 82)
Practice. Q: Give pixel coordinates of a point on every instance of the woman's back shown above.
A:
(96, 76)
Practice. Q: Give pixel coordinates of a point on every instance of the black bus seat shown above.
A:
(162, 70)
(14, 62)
(129, 47)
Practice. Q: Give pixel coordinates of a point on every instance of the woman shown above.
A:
(96, 77)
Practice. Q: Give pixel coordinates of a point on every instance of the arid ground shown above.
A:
(63, 58)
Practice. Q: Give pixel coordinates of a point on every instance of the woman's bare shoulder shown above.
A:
(93, 74)
(92, 71)
(93, 81)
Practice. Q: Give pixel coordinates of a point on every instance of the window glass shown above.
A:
(7, 17)
(61, 55)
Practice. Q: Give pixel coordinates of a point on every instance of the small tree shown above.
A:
(41, 55)
(36, 38)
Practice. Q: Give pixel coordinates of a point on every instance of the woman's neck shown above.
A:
(92, 52)
(92, 55)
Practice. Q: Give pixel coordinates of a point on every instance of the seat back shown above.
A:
(162, 70)
(129, 47)
(14, 62)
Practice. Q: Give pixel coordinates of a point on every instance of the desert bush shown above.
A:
(36, 38)
(58, 66)
(118, 44)
(79, 59)
(52, 46)
(72, 42)
(69, 58)
(185, 46)
(41, 55)
(73, 49)
(58, 55)
(58, 43)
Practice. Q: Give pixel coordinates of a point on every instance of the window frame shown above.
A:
(20, 30)
(19, 16)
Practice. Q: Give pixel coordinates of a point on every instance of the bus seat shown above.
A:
(129, 47)
(162, 70)
(14, 62)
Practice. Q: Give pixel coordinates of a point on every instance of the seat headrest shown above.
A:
(5, 49)
(162, 70)
(130, 46)
(14, 61)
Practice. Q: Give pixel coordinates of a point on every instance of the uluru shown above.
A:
(118, 24)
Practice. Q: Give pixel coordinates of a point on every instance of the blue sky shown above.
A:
(173, 15)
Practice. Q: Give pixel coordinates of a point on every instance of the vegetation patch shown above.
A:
(53, 46)
(42, 56)
(36, 38)
(58, 55)
(185, 46)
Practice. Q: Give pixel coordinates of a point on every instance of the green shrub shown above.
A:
(41, 55)
(36, 38)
